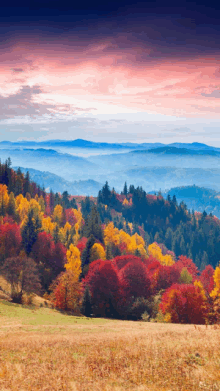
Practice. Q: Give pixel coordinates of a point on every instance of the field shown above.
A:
(42, 349)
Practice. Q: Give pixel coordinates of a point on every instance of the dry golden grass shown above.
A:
(41, 349)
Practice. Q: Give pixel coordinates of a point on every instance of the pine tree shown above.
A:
(30, 231)
(11, 210)
(86, 254)
(169, 238)
(93, 225)
(56, 234)
(86, 308)
(108, 252)
(125, 190)
(27, 188)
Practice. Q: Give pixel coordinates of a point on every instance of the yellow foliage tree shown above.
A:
(35, 206)
(18, 199)
(42, 204)
(111, 235)
(64, 233)
(137, 243)
(97, 252)
(47, 225)
(4, 199)
(78, 225)
(57, 214)
(215, 293)
(125, 238)
(73, 261)
(23, 208)
(125, 202)
(156, 252)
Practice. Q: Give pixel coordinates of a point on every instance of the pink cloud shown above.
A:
(103, 72)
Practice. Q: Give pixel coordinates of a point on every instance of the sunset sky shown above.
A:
(110, 71)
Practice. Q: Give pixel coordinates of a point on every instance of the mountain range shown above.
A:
(62, 165)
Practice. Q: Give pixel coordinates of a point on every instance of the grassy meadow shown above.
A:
(42, 349)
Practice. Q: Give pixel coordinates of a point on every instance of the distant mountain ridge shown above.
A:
(196, 198)
(59, 185)
(80, 143)
(180, 151)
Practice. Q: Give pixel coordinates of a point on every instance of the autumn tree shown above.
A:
(135, 280)
(104, 285)
(185, 262)
(10, 241)
(164, 277)
(97, 252)
(4, 199)
(73, 261)
(66, 292)
(22, 274)
(81, 245)
(185, 276)
(58, 214)
(207, 279)
(184, 304)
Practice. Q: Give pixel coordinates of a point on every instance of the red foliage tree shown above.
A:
(70, 217)
(122, 260)
(183, 261)
(10, 241)
(43, 248)
(49, 257)
(104, 285)
(166, 276)
(206, 278)
(135, 280)
(82, 244)
(184, 304)
(58, 257)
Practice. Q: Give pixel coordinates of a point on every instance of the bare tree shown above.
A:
(22, 274)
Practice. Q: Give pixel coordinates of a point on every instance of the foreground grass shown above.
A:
(41, 349)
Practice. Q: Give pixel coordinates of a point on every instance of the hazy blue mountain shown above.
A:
(58, 184)
(79, 143)
(197, 198)
(156, 178)
(68, 166)
(196, 146)
(180, 151)
(155, 158)
(160, 168)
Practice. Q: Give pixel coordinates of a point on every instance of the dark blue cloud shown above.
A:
(180, 29)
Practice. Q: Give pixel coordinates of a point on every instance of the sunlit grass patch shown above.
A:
(43, 349)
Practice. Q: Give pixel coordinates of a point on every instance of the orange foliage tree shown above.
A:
(66, 292)
(182, 303)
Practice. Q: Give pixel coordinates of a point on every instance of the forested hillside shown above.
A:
(127, 255)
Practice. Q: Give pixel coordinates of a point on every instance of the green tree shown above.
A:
(11, 210)
(30, 231)
(93, 225)
(185, 277)
(86, 307)
(86, 254)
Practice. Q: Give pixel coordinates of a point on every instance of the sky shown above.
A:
(110, 71)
